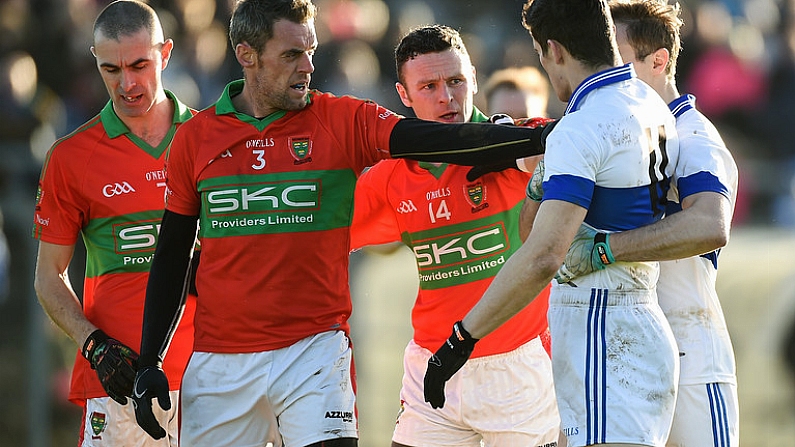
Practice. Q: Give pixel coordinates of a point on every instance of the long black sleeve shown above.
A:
(469, 144)
(167, 286)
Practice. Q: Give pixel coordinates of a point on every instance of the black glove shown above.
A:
(479, 171)
(447, 360)
(548, 127)
(150, 383)
(499, 118)
(114, 363)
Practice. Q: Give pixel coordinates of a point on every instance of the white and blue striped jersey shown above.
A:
(614, 152)
(686, 288)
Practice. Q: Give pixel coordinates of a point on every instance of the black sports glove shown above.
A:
(500, 118)
(479, 171)
(114, 363)
(151, 382)
(447, 360)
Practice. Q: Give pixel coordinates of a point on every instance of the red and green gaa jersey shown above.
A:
(461, 234)
(106, 183)
(275, 200)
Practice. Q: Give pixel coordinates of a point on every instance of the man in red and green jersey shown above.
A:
(106, 181)
(269, 172)
(461, 233)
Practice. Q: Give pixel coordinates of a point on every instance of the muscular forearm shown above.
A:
(514, 287)
(527, 216)
(529, 269)
(701, 227)
(469, 144)
(55, 293)
(165, 291)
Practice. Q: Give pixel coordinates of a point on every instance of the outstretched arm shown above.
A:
(519, 281)
(468, 144)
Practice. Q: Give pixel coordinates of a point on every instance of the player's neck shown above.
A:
(669, 92)
(155, 124)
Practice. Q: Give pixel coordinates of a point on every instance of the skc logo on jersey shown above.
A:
(462, 257)
(453, 249)
(136, 241)
(300, 149)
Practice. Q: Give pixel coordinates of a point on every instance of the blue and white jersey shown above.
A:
(686, 288)
(614, 152)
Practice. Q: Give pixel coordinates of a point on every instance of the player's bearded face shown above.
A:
(284, 70)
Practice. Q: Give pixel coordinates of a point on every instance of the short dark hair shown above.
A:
(126, 17)
(583, 27)
(424, 40)
(651, 25)
(252, 20)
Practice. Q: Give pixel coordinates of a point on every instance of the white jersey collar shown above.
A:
(682, 104)
(600, 79)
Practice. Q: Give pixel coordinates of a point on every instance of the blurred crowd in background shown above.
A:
(738, 58)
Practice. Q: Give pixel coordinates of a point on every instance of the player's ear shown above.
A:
(660, 60)
(246, 56)
(474, 80)
(403, 93)
(165, 52)
(556, 51)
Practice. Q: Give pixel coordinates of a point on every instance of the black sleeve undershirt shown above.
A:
(167, 286)
(468, 144)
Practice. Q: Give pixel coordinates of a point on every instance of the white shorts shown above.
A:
(504, 400)
(616, 367)
(106, 423)
(706, 415)
(294, 396)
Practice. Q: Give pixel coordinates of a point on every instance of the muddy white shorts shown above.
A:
(616, 367)
(295, 396)
(504, 400)
(706, 415)
(106, 423)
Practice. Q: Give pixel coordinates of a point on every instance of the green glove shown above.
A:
(589, 252)
(535, 187)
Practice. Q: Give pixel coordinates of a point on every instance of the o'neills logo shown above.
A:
(476, 196)
(300, 149)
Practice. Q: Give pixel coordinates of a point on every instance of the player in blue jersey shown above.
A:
(608, 162)
(697, 222)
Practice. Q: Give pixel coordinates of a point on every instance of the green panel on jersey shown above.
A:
(276, 203)
(458, 254)
(121, 244)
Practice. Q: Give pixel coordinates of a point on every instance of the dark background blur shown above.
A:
(737, 59)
